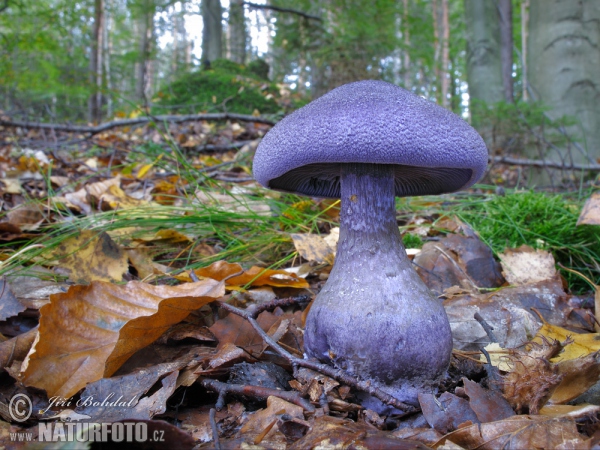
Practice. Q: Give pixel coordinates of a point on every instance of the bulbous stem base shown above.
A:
(374, 317)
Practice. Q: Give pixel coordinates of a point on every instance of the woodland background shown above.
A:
(524, 72)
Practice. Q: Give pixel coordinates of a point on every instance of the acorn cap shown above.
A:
(433, 150)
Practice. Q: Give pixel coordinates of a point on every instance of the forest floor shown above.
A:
(153, 291)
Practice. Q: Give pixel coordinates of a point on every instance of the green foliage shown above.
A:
(515, 127)
(412, 240)
(540, 221)
(225, 86)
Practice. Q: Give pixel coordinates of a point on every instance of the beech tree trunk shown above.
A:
(212, 33)
(564, 68)
(96, 65)
(484, 64)
(237, 31)
(146, 33)
(506, 47)
(442, 51)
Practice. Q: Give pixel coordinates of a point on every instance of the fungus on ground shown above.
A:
(367, 142)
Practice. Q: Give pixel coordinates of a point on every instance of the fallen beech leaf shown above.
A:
(16, 348)
(446, 413)
(458, 261)
(259, 420)
(27, 217)
(525, 265)
(313, 247)
(255, 276)
(236, 330)
(232, 203)
(578, 375)
(9, 305)
(329, 432)
(519, 432)
(590, 214)
(141, 260)
(116, 198)
(125, 393)
(575, 411)
(90, 256)
(582, 343)
(488, 406)
(88, 332)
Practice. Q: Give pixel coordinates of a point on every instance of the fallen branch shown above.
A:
(215, 430)
(257, 392)
(330, 371)
(543, 163)
(137, 121)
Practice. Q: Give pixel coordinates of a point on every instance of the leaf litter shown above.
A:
(118, 321)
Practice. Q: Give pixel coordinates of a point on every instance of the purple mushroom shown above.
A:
(367, 142)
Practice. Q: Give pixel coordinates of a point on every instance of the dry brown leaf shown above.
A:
(582, 344)
(332, 433)
(524, 265)
(576, 411)
(519, 432)
(590, 215)
(458, 261)
(578, 375)
(313, 247)
(116, 198)
(141, 260)
(90, 256)
(260, 420)
(28, 217)
(446, 413)
(255, 276)
(9, 305)
(238, 203)
(533, 378)
(88, 332)
(16, 348)
(488, 406)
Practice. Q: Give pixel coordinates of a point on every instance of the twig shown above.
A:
(486, 326)
(278, 302)
(137, 121)
(258, 392)
(213, 426)
(285, 10)
(332, 372)
(544, 163)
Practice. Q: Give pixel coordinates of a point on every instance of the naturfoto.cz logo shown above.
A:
(72, 426)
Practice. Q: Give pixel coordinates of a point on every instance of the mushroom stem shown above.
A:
(375, 318)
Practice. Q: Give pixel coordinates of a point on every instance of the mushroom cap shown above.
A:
(433, 150)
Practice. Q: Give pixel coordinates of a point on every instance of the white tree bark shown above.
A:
(564, 69)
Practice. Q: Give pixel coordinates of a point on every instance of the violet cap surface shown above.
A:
(434, 150)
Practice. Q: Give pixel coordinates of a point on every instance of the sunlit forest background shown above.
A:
(523, 72)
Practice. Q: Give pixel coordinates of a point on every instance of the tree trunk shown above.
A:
(524, 35)
(441, 37)
(445, 69)
(146, 32)
(238, 33)
(564, 63)
(506, 47)
(406, 60)
(95, 100)
(484, 65)
(212, 47)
